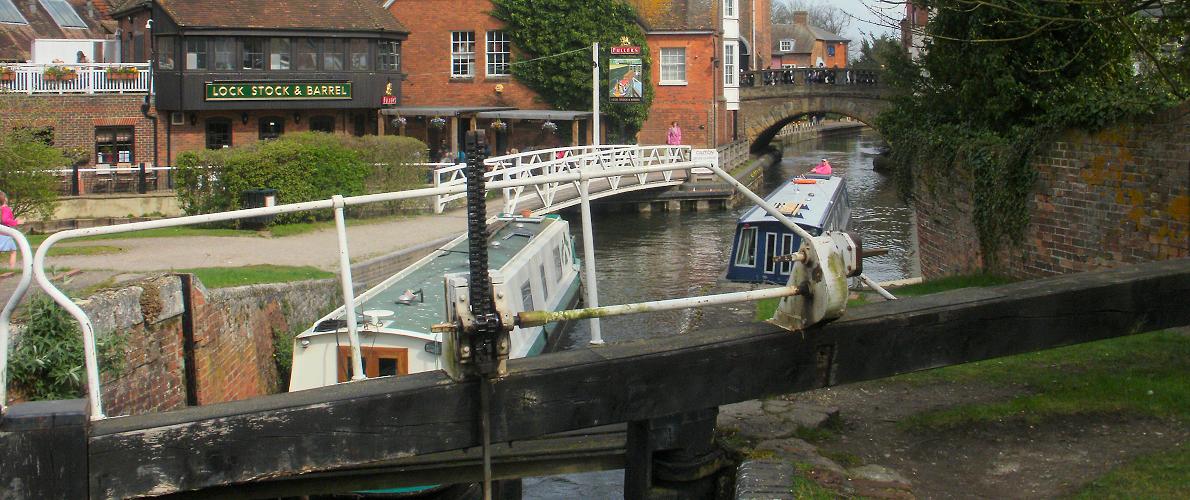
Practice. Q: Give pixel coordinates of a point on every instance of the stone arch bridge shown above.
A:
(771, 99)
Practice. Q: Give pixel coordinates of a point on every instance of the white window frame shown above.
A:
(460, 42)
(770, 251)
(748, 258)
(786, 45)
(730, 9)
(730, 66)
(673, 65)
(786, 249)
(490, 46)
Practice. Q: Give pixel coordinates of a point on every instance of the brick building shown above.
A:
(800, 45)
(61, 73)
(227, 76)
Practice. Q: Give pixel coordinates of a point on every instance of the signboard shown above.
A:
(624, 79)
(625, 50)
(710, 156)
(274, 91)
(388, 100)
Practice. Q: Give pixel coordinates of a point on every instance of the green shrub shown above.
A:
(24, 161)
(303, 166)
(47, 362)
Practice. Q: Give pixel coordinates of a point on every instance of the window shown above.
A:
(673, 65)
(388, 55)
(462, 54)
(786, 45)
(165, 52)
(746, 248)
(254, 49)
(526, 296)
(499, 53)
(545, 280)
(10, 14)
(305, 54)
(196, 53)
(63, 13)
(322, 124)
(359, 54)
(279, 53)
(377, 361)
(729, 8)
(830, 50)
(332, 54)
(138, 46)
(113, 145)
(218, 133)
(770, 251)
(786, 249)
(271, 127)
(729, 64)
(224, 50)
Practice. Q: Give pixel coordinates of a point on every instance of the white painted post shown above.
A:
(357, 365)
(595, 95)
(584, 191)
(17, 295)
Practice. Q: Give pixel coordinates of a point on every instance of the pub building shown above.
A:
(231, 73)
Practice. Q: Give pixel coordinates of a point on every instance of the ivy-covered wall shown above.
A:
(1101, 199)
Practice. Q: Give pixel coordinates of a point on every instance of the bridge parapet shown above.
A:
(838, 77)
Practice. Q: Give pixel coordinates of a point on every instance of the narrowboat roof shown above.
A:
(508, 236)
(816, 199)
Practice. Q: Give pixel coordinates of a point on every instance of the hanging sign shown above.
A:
(625, 50)
(269, 91)
(624, 79)
(388, 100)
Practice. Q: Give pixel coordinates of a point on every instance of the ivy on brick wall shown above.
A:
(540, 29)
(997, 78)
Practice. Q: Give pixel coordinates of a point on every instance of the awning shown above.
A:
(536, 114)
(438, 110)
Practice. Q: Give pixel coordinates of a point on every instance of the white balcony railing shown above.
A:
(74, 78)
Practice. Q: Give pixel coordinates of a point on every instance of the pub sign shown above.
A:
(275, 91)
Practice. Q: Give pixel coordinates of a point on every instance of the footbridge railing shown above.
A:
(529, 165)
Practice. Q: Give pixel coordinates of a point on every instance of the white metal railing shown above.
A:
(601, 163)
(86, 78)
(17, 295)
(544, 162)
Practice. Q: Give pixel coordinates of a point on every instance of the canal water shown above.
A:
(659, 255)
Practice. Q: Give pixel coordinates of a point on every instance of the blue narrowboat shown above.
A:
(817, 203)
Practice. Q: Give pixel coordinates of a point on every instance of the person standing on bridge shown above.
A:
(674, 136)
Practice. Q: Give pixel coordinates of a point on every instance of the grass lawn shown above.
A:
(1161, 475)
(222, 277)
(765, 308)
(84, 250)
(165, 232)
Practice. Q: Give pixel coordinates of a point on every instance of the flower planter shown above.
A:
(8, 76)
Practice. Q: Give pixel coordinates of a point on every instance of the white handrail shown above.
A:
(82, 78)
(13, 301)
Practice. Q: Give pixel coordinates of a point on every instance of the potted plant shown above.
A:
(399, 121)
(549, 126)
(59, 73)
(7, 74)
(499, 125)
(438, 122)
(122, 73)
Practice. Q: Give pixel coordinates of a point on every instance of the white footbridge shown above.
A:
(551, 196)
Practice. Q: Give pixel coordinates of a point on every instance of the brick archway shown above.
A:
(766, 109)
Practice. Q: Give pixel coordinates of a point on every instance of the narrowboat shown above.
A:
(817, 203)
(532, 261)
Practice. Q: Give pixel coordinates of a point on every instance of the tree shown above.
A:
(819, 13)
(876, 52)
(553, 39)
(997, 77)
(25, 164)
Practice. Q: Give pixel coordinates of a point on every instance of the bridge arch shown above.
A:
(767, 109)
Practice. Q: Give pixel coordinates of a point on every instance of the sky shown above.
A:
(859, 28)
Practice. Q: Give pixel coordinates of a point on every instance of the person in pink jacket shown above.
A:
(7, 244)
(674, 136)
(822, 168)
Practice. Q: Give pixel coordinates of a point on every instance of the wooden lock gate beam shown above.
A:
(346, 430)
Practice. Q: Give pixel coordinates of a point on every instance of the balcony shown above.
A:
(107, 78)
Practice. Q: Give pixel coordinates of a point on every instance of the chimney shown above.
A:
(91, 9)
(801, 17)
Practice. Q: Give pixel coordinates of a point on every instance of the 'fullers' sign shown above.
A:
(251, 91)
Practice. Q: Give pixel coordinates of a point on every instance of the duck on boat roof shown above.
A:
(814, 202)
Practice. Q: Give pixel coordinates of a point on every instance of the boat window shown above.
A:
(527, 296)
(545, 283)
(377, 361)
(770, 252)
(388, 367)
(558, 261)
(746, 254)
(786, 249)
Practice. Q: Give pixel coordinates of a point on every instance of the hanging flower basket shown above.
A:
(499, 125)
(59, 73)
(399, 121)
(549, 126)
(438, 122)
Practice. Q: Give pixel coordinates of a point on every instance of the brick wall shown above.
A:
(75, 117)
(1114, 197)
(192, 134)
(694, 105)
